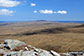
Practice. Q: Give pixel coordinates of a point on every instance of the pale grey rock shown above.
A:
(20, 53)
(29, 53)
(31, 46)
(1, 45)
(67, 54)
(45, 53)
(11, 54)
(11, 44)
(26, 48)
(2, 51)
(37, 50)
(30, 50)
(54, 53)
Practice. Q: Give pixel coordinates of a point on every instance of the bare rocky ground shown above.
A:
(17, 48)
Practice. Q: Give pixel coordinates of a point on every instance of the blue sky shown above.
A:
(28, 10)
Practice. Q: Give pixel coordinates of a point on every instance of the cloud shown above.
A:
(35, 11)
(8, 3)
(62, 12)
(46, 11)
(6, 12)
(33, 4)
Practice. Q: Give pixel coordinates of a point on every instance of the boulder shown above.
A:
(11, 44)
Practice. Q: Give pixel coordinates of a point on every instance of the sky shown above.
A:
(52, 10)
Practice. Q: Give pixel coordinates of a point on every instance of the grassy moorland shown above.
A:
(61, 37)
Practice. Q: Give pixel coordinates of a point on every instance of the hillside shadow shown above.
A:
(45, 31)
(49, 31)
(79, 26)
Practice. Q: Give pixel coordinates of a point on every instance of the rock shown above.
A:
(54, 53)
(29, 53)
(18, 48)
(65, 54)
(2, 51)
(11, 44)
(45, 53)
(37, 50)
(11, 53)
(20, 53)
(26, 48)
(1, 46)
(30, 47)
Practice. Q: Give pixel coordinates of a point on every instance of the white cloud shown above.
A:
(8, 3)
(46, 11)
(35, 11)
(33, 4)
(6, 12)
(62, 12)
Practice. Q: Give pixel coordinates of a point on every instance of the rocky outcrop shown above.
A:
(18, 48)
(11, 44)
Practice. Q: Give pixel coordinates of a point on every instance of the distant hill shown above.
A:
(41, 21)
(4, 24)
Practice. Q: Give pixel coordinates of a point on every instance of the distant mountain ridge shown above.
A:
(43, 21)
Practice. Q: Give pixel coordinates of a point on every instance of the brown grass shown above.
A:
(66, 39)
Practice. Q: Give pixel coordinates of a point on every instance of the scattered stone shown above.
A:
(18, 48)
